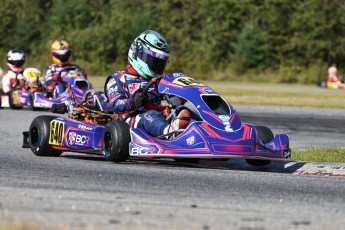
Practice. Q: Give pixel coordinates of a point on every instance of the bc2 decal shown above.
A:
(56, 132)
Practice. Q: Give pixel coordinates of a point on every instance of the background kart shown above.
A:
(35, 97)
(22, 87)
(215, 131)
(331, 85)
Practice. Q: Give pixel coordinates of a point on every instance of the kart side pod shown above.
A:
(115, 138)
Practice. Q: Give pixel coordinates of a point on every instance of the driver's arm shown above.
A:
(117, 96)
(51, 76)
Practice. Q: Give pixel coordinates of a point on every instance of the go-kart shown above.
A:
(36, 97)
(332, 85)
(215, 131)
(22, 91)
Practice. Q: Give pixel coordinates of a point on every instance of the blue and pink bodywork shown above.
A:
(215, 136)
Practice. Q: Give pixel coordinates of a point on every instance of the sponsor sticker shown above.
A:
(113, 89)
(133, 87)
(110, 83)
(190, 140)
(84, 127)
(139, 151)
(74, 138)
(178, 75)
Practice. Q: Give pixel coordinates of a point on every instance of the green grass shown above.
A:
(282, 95)
(270, 94)
(320, 155)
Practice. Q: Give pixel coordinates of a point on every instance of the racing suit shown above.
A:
(11, 79)
(53, 78)
(334, 83)
(121, 89)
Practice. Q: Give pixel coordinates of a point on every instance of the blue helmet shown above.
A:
(149, 54)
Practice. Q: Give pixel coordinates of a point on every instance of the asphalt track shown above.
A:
(79, 191)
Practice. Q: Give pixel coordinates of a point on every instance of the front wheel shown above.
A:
(116, 138)
(266, 135)
(39, 133)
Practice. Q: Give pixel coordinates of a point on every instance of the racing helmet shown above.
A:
(332, 71)
(149, 54)
(34, 76)
(15, 60)
(60, 52)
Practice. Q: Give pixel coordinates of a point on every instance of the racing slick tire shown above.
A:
(39, 133)
(266, 135)
(11, 100)
(115, 141)
(32, 106)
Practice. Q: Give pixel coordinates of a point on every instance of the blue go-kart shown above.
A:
(215, 131)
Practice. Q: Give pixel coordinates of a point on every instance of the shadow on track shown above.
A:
(288, 167)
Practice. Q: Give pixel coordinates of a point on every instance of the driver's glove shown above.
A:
(57, 76)
(139, 100)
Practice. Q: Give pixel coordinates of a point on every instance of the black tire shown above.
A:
(32, 97)
(10, 101)
(1, 92)
(266, 135)
(39, 133)
(115, 141)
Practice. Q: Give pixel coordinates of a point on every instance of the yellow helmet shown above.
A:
(60, 52)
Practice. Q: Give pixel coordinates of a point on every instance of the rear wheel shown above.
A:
(116, 138)
(39, 133)
(266, 135)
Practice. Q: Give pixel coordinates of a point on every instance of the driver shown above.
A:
(61, 55)
(147, 57)
(332, 79)
(14, 75)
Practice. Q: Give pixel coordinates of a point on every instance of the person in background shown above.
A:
(13, 77)
(332, 80)
(147, 57)
(61, 55)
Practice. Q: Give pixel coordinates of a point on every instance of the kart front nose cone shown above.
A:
(287, 153)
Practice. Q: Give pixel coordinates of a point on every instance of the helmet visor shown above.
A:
(155, 61)
(62, 55)
(17, 63)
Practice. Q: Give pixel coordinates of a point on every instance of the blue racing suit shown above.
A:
(121, 88)
(53, 78)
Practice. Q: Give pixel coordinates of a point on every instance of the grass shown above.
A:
(281, 95)
(21, 226)
(336, 155)
(270, 94)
